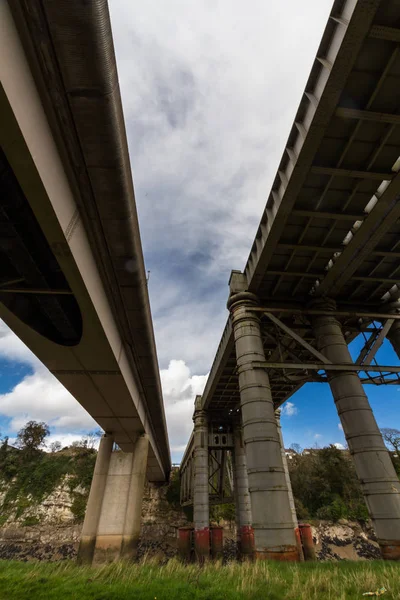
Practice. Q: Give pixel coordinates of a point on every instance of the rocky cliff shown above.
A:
(48, 531)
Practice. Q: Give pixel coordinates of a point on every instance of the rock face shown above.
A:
(56, 536)
(345, 540)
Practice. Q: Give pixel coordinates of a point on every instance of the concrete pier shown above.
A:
(380, 484)
(135, 497)
(112, 522)
(244, 528)
(95, 500)
(270, 506)
(201, 511)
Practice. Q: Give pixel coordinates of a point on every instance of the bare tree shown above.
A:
(296, 448)
(55, 446)
(392, 437)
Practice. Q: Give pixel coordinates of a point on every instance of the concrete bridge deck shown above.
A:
(73, 283)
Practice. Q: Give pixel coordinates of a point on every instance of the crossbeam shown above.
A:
(335, 313)
(322, 214)
(367, 115)
(377, 343)
(297, 338)
(39, 291)
(324, 367)
(380, 32)
(350, 173)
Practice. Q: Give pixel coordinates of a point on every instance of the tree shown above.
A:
(55, 446)
(392, 437)
(31, 437)
(88, 441)
(296, 448)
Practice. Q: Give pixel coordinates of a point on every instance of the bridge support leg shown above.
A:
(95, 500)
(201, 511)
(272, 519)
(112, 522)
(244, 529)
(135, 497)
(289, 485)
(380, 484)
(394, 332)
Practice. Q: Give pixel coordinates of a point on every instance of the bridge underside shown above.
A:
(323, 269)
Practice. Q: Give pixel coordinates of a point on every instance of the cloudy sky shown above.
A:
(209, 90)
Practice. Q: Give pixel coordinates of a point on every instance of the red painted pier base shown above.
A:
(217, 542)
(390, 549)
(307, 541)
(246, 545)
(185, 543)
(282, 554)
(299, 544)
(202, 543)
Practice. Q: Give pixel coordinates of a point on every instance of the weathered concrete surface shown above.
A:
(201, 510)
(270, 506)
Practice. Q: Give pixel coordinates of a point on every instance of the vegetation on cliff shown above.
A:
(324, 481)
(28, 474)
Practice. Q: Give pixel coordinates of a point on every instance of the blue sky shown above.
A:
(209, 91)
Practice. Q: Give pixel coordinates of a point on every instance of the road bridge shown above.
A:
(72, 278)
(324, 268)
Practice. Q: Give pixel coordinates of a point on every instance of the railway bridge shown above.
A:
(324, 268)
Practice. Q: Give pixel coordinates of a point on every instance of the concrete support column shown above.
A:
(201, 511)
(135, 497)
(95, 500)
(380, 484)
(244, 529)
(272, 519)
(286, 467)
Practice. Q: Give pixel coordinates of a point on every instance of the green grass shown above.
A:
(149, 580)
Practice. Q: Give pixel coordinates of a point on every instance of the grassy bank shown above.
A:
(173, 581)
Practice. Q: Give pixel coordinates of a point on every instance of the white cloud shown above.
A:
(210, 90)
(207, 115)
(289, 409)
(179, 390)
(317, 436)
(340, 426)
(38, 396)
(339, 446)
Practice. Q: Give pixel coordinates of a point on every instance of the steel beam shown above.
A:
(337, 313)
(367, 115)
(326, 367)
(337, 172)
(322, 214)
(297, 337)
(378, 342)
(380, 32)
